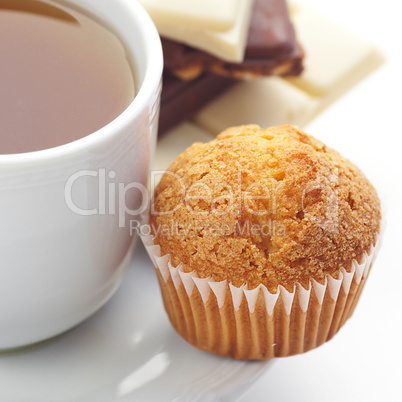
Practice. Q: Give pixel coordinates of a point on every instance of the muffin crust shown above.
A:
(272, 207)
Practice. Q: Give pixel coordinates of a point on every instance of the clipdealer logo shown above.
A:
(111, 197)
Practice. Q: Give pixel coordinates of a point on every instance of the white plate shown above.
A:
(126, 352)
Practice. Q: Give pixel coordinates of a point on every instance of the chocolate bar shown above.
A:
(271, 32)
(207, 14)
(271, 49)
(181, 99)
(336, 60)
(195, 23)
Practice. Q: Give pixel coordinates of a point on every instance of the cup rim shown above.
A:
(153, 55)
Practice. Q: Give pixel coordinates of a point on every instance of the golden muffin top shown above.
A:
(272, 207)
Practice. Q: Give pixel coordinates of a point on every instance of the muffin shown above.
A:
(262, 241)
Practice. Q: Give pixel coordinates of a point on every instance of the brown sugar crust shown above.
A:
(272, 207)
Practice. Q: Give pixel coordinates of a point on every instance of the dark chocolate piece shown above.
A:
(271, 33)
(181, 99)
(271, 49)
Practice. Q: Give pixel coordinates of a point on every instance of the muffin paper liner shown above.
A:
(254, 323)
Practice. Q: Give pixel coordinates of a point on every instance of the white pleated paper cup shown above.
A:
(255, 324)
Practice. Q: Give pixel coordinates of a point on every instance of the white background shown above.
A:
(364, 361)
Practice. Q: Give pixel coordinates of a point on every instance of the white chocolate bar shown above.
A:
(336, 59)
(227, 45)
(267, 102)
(207, 14)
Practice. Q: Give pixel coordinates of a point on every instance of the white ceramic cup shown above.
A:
(65, 212)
